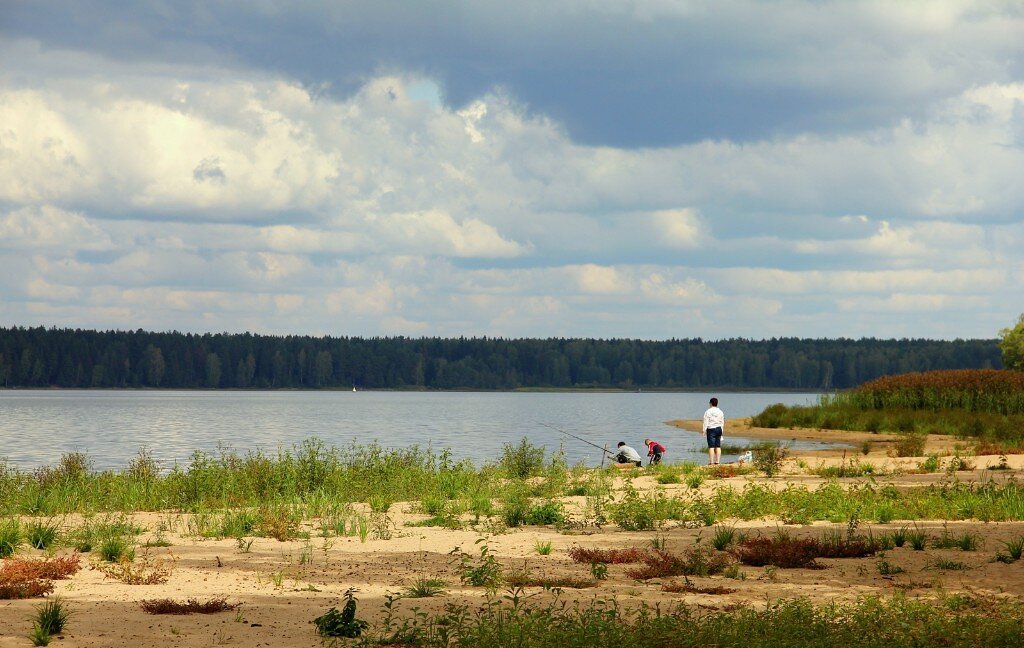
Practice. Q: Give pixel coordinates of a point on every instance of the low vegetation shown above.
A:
(191, 606)
(894, 623)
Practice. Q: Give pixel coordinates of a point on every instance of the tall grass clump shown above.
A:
(10, 537)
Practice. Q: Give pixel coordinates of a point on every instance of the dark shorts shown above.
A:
(656, 458)
(714, 437)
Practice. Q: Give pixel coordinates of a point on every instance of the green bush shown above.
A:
(523, 460)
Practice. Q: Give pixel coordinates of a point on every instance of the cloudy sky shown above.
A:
(613, 168)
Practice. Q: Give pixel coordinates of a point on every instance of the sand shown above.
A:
(282, 586)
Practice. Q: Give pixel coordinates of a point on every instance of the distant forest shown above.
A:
(41, 357)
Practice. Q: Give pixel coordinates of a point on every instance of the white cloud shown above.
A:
(46, 227)
(185, 200)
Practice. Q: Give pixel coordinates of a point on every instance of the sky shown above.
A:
(616, 168)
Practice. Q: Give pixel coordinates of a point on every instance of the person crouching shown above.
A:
(626, 456)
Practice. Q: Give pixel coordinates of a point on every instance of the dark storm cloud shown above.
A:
(621, 74)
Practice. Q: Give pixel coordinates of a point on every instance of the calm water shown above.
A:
(37, 427)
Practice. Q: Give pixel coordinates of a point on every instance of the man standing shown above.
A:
(714, 426)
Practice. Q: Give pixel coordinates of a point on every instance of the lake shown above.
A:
(38, 426)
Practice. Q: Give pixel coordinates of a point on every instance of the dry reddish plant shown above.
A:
(25, 569)
(28, 578)
(696, 562)
(608, 556)
(690, 588)
(782, 552)
(25, 589)
(191, 606)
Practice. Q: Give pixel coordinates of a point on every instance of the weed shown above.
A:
(542, 548)
(918, 539)
(191, 606)
(694, 480)
(689, 588)
(768, 458)
(945, 564)
(425, 588)
(724, 537)
(734, 572)
(38, 636)
(599, 570)
(484, 571)
(148, 570)
(931, 464)
(1015, 548)
(886, 568)
(341, 624)
(899, 536)
(658, 542)
(243, 545)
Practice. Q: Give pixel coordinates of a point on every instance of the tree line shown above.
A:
(51, 357)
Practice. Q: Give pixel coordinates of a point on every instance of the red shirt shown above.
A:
(655, 448)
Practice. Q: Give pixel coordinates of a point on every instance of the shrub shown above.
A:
(910, 445)
(523, 460)
(768, 458)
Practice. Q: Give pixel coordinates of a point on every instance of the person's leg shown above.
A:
(718, 455)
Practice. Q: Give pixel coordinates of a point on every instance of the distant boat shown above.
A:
(353, 387)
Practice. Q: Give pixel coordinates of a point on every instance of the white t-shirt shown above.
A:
(713, 418)
(630, 453)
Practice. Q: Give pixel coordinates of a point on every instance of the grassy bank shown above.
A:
(984, 405)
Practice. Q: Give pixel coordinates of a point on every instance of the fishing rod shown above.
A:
(604, 449)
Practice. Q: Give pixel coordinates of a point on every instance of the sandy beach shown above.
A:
(282, 586)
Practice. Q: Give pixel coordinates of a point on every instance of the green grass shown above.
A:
(894, 623)
(425, 588)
